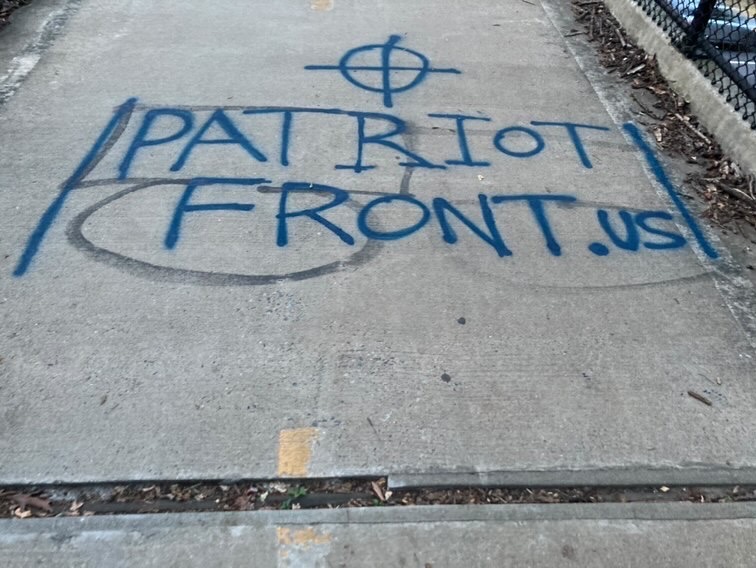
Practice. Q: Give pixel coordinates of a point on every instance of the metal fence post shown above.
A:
(701, 18)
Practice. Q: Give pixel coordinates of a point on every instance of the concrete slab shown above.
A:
(674, 535)
(154, 325)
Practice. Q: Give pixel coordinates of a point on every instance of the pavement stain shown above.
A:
(568, 552)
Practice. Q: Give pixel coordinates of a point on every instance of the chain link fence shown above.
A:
(720, 37)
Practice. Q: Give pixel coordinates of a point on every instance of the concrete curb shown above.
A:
(377, 515)
(673, 534)
(715, 113)
(632, 476)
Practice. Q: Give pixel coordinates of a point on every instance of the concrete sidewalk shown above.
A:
(677, 535)
(293, 239)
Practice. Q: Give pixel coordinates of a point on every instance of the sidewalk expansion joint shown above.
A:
(72, 500)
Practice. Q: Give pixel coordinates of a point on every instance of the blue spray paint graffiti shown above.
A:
(464, 148)
(629, 232)
(184, 206)
(182, 133)
(636, 225)
(385, 52)
(373, 130)
(119, 120)
(661, 176)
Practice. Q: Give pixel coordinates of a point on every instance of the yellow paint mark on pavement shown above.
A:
(322, 5)
(301, 537)
(302, 547)
(295, 451)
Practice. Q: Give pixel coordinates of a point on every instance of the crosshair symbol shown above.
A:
(388, 83)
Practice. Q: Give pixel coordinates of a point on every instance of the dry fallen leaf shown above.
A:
(278, 487)
(23, 501)
(21, 514)
(378, 491)
(242, 502)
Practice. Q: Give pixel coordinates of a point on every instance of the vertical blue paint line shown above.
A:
(662, 178)
(386, 61)
(285, 133)
(121, 114)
